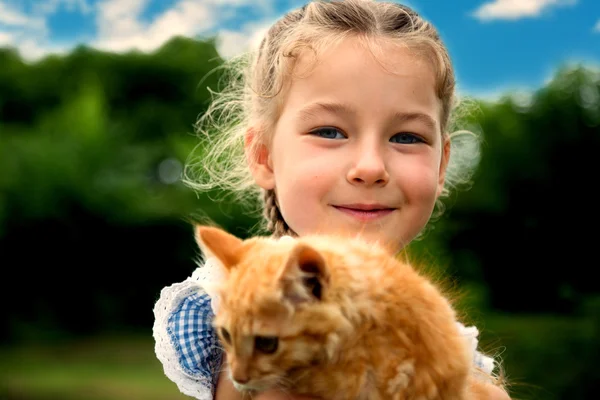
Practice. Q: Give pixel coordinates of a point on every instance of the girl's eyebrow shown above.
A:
(332, 108)
(310, 111)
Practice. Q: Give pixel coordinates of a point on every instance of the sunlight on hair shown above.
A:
(253, 85)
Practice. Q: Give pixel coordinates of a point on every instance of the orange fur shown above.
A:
(349, 321)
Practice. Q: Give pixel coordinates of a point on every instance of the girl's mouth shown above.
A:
(364, 212)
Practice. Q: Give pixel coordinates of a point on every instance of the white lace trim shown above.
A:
(198, 387)
(209, 277)
(470, 333)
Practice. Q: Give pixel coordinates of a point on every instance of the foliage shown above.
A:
(94, 220)
(530, 206)
(92, 213)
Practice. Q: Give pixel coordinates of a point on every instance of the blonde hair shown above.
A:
(256, 83)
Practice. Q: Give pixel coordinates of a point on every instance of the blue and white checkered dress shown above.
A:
(190, 327)
(186, 342)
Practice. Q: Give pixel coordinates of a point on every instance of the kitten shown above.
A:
(335, 318)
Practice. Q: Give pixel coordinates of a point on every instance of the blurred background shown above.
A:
(98, 101)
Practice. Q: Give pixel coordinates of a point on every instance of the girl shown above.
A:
(341, 124)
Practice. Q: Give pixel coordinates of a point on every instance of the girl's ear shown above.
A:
(443, 164)
(259, 159)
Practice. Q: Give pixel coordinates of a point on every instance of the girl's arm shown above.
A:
(225, 389)
(496, 393)
(489, 391)
(275, 395)
(482, 390)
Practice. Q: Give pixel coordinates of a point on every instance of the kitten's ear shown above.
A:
(220, 244)
(304, 276)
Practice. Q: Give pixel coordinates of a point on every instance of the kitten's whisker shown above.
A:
(287, 382)
(283, 388)
(223, 369)
(301, 376)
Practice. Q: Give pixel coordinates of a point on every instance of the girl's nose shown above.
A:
(368, 168)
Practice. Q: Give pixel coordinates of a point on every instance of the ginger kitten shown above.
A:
(335, 318)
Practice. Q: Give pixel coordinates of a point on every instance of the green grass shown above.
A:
(96, 369)
(545, 357)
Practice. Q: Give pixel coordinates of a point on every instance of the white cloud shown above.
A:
(516, 9)
(6, 38)
(13, 17)
(119, 18)
(597, 26)
(232, 43)
(121, 25)
(21, 30)
(28, 30)
(48, 7)
(32, 50)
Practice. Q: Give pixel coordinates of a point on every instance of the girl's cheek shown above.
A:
(422, 181)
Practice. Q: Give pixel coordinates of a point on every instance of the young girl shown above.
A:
(341, 124)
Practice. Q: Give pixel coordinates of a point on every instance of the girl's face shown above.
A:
(358, 147)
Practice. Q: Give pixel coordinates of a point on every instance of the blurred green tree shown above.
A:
(94, 220)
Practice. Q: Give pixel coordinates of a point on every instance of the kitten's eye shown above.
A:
(266, 344)
(406, 138)
(225, 335)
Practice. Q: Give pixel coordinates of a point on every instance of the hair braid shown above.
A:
(271, 212)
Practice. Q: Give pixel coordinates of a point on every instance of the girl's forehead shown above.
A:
(393, 58)
(365, 75)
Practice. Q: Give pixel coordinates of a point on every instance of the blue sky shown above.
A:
(496, 45)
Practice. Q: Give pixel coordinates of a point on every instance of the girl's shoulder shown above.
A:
(185, 341)
(208, 277)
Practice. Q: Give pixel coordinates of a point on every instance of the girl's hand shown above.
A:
(487, 391)
(226, 391)
(494, 393)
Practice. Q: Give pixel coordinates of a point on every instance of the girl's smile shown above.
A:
(365, 212)
(358, 146)
(340, 118)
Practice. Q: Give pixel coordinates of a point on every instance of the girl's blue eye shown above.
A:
(406, 138)
(328, 133)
